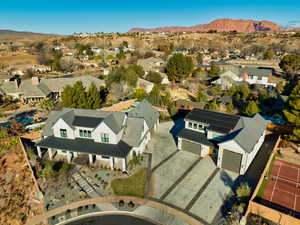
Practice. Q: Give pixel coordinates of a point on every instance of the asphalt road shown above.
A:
(112, 220)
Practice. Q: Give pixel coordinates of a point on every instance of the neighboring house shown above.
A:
(226, 80)
(144, 84)
(250, 75)
(151, 64)
(235, 139)
(110, 138)
(35, 89)
(41, 69)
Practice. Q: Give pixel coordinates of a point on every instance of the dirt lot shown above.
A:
(19, 198)
(18, 59)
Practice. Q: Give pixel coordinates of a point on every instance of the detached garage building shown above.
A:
(235, 139)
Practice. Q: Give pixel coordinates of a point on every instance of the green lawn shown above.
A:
(262, 187)
(131, 186)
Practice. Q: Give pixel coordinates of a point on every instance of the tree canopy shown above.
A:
(154, 77)
(251, 108)
(290, 63)
(77, 97)
(179, 67)
(292, 112)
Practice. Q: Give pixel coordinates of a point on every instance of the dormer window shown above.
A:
(104, 138)
(85, 133)
(63, 133)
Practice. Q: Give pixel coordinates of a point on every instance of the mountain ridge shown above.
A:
(220, 25)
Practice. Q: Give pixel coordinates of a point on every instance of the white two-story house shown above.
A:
(235, 139)
(109, 138)
(251, 75)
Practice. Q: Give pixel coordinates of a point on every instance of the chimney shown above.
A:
(35, 80)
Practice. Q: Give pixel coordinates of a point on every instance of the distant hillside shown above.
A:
(220, 25)
(22, 33)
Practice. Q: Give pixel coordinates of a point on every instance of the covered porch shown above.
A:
(82, 158)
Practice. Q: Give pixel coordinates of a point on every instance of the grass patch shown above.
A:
(262, 187)
(131, 186)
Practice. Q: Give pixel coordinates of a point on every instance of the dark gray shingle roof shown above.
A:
(145, 110)
(194, 136)
(218, 122)
(82, 145)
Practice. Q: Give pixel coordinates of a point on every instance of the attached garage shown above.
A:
(191, 146)
(231, 161)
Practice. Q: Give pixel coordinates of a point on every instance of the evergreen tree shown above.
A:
(292, 113)
(67, 96)
(290, 63)
(179, 67)
(93, 97)
(154, 96)
(251, 108)
(79, 97)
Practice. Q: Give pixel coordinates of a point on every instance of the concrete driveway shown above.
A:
(186, 181)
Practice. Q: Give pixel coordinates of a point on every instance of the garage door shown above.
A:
(231, 161)
(191, 146)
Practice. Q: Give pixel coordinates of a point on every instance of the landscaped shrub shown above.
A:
(53, 168)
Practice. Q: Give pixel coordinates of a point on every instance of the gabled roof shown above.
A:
(216, 121)
(248, 132)
(85, 118)
(145, 110)
(133, 130)
(46, 86)
(260, 72)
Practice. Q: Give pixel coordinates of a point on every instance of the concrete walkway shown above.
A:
(155, 211)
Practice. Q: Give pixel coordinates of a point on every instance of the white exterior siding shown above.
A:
(103, 128)
(77, 134)
(61, 124)
(255, 150)
(234, 147)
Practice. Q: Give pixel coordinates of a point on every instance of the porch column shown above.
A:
(91, 159)
(39, 151)
(50, 151)
(123, 164)
(69, 157)
(111, 162)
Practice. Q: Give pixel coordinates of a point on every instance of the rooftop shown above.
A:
(217, 121)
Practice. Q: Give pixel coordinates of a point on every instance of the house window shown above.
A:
(190, 125)
(85, 133)
(200, 127)
(104, 138)
(105, 157)
(63, 133)
(195, 126)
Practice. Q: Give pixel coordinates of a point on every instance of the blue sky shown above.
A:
(69, 16)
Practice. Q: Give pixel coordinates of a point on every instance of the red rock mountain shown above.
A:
(220, 25)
